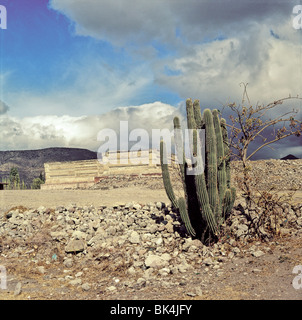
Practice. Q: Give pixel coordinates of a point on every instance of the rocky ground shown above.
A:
(136, 251)
(272, 174)
(99, 244)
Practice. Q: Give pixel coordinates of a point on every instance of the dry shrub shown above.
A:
(270, 214)
(21, 209)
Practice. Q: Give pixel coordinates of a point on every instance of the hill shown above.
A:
(289, 157)
(30, 163)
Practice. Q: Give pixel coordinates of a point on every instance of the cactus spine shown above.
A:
(209, 197)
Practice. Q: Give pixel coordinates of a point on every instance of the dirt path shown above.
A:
(53, 198)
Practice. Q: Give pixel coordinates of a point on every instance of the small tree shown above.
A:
(14, 178)
(250, 123)
(36, 183)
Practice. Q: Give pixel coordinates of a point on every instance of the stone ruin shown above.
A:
(86, 173)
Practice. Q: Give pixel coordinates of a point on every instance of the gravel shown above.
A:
(141, 240)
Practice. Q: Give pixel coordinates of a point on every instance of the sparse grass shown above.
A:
(21, 209)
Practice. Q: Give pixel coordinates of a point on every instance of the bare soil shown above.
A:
(54, 198)
(268, 277)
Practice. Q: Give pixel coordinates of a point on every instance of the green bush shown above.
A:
(36, 184)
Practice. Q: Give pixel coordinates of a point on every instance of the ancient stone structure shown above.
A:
(84, 174)
(281, 174)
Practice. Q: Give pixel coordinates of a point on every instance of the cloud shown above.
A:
(88, 86)
(119, 21)
(81, 132)
(211, 46)
(197, 49)
(213, 71)
(290, 145)
(142, 21)
(3, 107)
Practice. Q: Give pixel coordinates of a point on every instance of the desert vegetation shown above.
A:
(258, 123)
(13, 182)
(209, 197)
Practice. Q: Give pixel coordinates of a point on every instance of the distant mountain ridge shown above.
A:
(30, 163)
(289, 157)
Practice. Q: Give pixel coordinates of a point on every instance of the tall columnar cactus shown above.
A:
(209, 197)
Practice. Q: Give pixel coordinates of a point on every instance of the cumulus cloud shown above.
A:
(84, 132)
(216, 45)
(213, 71)
(70, 131)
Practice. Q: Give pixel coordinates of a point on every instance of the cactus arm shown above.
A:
(190, 114)
(185, 217)
(233, 197)
(221, 170)
(230, 198)
(201, 191)
(211, 155)
(197, 115)
(166, 175)
(228, 202)
(203, 200)
(193, 117)
(226, 152)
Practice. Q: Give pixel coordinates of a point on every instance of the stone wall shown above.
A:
(71, 174)
(84, 174)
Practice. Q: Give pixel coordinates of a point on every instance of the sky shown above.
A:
(70, 68)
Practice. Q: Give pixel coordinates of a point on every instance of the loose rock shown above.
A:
(18, 289)
(154, 261)
(75, 246)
